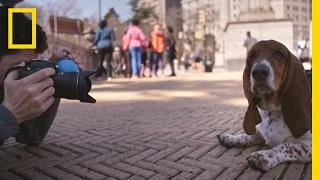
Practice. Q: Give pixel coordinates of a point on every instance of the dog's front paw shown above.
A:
(227, 140)
(259, 161)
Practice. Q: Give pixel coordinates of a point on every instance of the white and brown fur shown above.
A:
(272, 131)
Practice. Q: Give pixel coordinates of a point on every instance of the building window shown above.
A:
(295, 8)
(288, 7)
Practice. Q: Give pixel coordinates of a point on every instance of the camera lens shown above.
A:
(74, 85)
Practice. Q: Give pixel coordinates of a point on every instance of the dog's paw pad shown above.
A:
(258, 162)
(225, 140)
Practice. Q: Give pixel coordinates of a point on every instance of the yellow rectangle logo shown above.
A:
(33, 12)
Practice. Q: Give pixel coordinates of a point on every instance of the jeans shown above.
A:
(156, 59)
(135, 53)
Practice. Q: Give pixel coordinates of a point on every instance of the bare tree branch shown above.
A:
(67, 8)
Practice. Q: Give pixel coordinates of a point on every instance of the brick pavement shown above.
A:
(148, 129)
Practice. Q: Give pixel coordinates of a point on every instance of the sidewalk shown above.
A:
(146, 129)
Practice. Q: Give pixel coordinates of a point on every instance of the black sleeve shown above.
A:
(8, 124)
(33, 132)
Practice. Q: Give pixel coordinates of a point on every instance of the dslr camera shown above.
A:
(69, 82)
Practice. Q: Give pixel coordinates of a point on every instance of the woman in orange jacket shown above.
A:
(158, 46)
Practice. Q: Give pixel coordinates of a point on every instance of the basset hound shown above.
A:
(279, 110)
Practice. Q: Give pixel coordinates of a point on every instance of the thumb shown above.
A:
(13, 73)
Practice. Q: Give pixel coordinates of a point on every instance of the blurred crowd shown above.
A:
(139, 55)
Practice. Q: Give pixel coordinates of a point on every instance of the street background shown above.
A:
(216, 29)
(160, 128)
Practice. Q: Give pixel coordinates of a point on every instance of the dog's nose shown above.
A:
(260, 72)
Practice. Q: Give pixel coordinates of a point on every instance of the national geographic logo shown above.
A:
(33, 12)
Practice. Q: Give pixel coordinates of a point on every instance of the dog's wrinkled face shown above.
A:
(268, 60)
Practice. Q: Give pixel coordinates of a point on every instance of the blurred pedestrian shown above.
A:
(197, 64)
(186, 56)
(126, 53)
(250, 41)
(104, 41)
(137, 40)
(157, 45)
(144, 57)
(171, 50)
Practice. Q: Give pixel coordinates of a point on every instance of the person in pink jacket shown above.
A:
(136, 41)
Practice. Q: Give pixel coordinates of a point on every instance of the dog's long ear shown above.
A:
(295, 96)
(252, 116)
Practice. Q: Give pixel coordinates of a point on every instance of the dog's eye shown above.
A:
(252, 57)
(279, 56)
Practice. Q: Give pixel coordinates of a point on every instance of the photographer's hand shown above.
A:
(29, 97)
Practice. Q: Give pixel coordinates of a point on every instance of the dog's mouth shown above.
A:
(262, 90)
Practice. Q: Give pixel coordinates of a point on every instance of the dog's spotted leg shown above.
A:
(287, 152)
(240, 140)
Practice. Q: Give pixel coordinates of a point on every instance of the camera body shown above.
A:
(69, 82)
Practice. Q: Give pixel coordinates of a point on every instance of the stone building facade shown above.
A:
(219, 12)
(299, 11)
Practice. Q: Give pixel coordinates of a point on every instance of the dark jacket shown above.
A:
(8, 124)
(31, 132)
(171, 42)
(171, 50)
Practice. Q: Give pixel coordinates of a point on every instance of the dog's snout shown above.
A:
(260, 72)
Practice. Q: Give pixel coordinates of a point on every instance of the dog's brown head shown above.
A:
(275, 80)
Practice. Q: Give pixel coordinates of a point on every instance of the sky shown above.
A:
(90, 7)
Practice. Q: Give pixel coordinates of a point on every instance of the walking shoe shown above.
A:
(134, 77)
